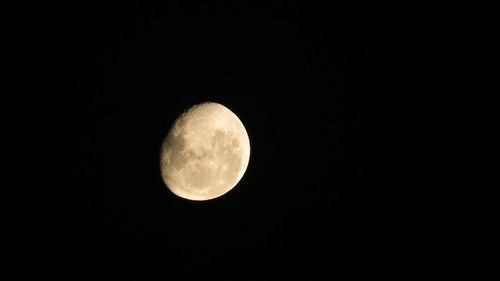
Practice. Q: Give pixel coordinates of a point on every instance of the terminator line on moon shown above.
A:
(205, 153)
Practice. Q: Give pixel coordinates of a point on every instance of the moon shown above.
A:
(205, 153)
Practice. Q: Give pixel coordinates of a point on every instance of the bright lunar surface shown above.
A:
(206, 152)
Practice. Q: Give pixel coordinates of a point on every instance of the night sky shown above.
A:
(358, 116)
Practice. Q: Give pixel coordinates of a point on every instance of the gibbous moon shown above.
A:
(206, 152)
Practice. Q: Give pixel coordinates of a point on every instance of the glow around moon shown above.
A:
(206, 152)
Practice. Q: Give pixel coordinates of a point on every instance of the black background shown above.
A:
(359, 117)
